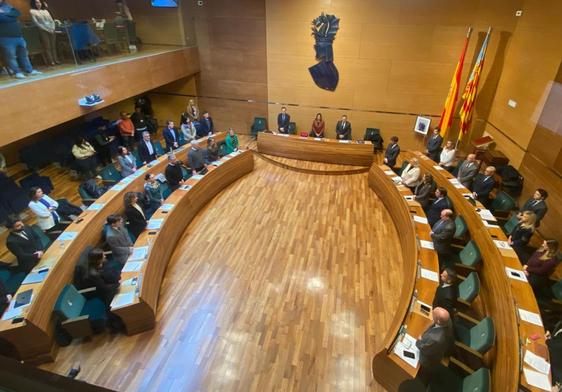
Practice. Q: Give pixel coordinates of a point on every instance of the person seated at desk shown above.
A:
(541, 264)
(42, 18)
(24, 244)
(85, 156)
(483, 185)
(153, 193)
(126, 130)
(392, 152)
(318, 127)
(447, 292)
(50, 215)
(173, 173)
(105, 282)
(118, 239)
(140, 121)
(188, 130)
(195, 159)
(441, 202)
(231, 142)
(136, 217)
(433, 148)
(424, 190)
(171, 136)
(447, 157)
(411, 174)
(467, 171)
(435, 343)
(521, 235)
(207, 127)
(442, 233)
(283, 121)
(536, 204)
(212, 151)
(127, 161)
(343, 129)
(147, 150)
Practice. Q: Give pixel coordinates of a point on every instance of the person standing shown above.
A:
(147, 150)
(24, 244)
(434, 145)
(127, 161)
(103, 143)
(433, 212)
(442, 233)
(173, 173)
(192, 110)
(318, 127)
(153, 192)
(392, 152)
(188, 130)
(126, 130)
(136, 217)
(140, 123)
(45, 209)
(195, 159)
(521, 235)
(118, 239)
(447, 157)
(541, 264)
(42, 18)
(13, 45)
(343, 129)
(212, 151)
(207, 127)
(447, 292)
(467, 171)
(231, 142)
(483, 185)
(536, 204)
(283, 121)
(171, 136)
(411, 174)
(424, 190)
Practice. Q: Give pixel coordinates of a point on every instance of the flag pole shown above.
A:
(468, 33)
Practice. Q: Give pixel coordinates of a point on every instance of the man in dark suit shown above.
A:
(206, 126)
(442, 234)
(440, 203)
(392, 152)
(483, 184)
(434, 145)
(171, 136)
(283, 121)
(447, 292)
(118, 239)
(467, 171)
(435, 343)
(537, 205)
(173, 173)
(147, 151)
(343, 129)
(24, 244)
(195, 158)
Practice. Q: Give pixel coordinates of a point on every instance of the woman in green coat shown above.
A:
(231, 141)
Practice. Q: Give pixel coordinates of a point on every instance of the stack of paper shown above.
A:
(486, 214)
(132, 266)
(515, 274)
(406, 348)
(420, 219)
(536, 362)
(537, 379)
(96, 206)
(502, 244)
(437, 167)
(166, 207)
(139, 253)
(426, 244)
(530, 317)
(344, 141)
(118, 187)
(123, 299)
(456, 183)
(389, 173)
(429, 275)
(67, 236)
(154, 224)
(36, 276)
(196, 177)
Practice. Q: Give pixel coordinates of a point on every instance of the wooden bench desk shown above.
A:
(347, 152)
(32, 334)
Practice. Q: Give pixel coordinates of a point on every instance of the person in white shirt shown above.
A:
(411, 175)
(447, 157)
(45, 209)
(188, 130)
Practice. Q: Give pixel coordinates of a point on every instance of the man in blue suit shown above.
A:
(171, 136)
(283, 121)
(434, 145)
(205, 126)
(440, 203)
(483, 185)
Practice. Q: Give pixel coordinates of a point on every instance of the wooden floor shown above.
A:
(285, 281)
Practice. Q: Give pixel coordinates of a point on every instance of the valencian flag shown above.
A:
(471, 89)
(451, 101)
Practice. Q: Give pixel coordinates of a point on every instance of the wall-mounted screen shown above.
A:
(165, 3)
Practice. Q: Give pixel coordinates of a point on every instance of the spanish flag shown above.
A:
(471, 89)
(450, 102)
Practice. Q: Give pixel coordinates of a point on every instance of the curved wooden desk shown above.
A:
(389, 369)
(502, 297)
(32, 335)
(137, 305)
(314, 149)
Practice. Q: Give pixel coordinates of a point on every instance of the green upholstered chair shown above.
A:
(292, 128)
(469, 289)
(158, 147)
(503, 204)
(166, 191)
(460, 227)
(404, 164)
(79, 316)
(473, 336)
(510, 224)
(11, 279)
(469, 257)
(186, 172)
(45, 241)
(110, 174)
(259, 125)
(449, 380)
(86, 197)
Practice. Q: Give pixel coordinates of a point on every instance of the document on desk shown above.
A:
(344, 141)
(152, 163)
(139, 254)
(488, 224)
(389, 173)
(36, 276)
(67, 236)
(530, 317)
(410, 197)
(12, 311)
(429, 275)
(185, 187)
(420, 219)
(283, 134)
(502, 244)
(437, 167)
(154, 224)
(426, 244)
(537, 379)
(217, 163)
(407, 351)
(515, 274)
(318, 139)
(536, 362)
(132, 266)
(196, 177)
(487, 215)
(118, 187)
(95, 206)
(397, 179)
(123, 299)
(166, 207)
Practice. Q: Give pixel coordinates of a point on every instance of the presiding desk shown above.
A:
(343, 152)
(421, 278)
(503, 295)
(141, 278)
(31, 332)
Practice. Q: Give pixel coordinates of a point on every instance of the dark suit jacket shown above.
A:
(467, 173)
(167, 133)
(423, 192)
(206, 127)
(434, 344)
(483, 185)
(540, 209)
(136, 221)
(283, 122)
(434, 144)
(144, 154)
(391, 154)
(520, 236)
(119, 242)
(24, 249)
(433, 213)
(173, 175)
(344, 130)
(446, 297)
(443, 232)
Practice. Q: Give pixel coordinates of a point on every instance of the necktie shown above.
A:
(536, 202)
(149, 147)
(22, 234)
(53, 212)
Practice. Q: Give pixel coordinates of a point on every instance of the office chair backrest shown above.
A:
(510, 224)
(482, 335)
(45, 241)
(460, 227)
(158, 147)
(110, 173)
(479, 381)
(70, 303)
(470, 254)
(503, 202)
(469, 288)
(556, 289)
